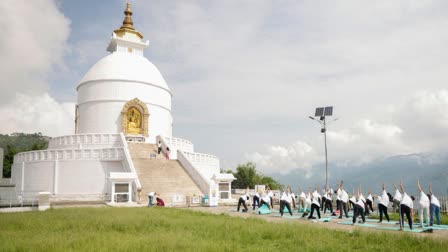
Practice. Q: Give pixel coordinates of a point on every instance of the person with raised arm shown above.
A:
(302, 200)
(271, 196)
(359, 207)
(315, 206)
(285, 200)
(352, 200)
(383, 204)
(343, 201)
(434, 207)
(423, 211)
(406, 207)
(328, 201)
(397, 199)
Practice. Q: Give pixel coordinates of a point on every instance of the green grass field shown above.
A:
(165, 229)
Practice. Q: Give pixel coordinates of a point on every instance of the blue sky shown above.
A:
(247, 74)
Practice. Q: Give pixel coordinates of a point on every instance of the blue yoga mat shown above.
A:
(264, 210)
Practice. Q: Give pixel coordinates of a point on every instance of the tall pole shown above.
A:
(326, 157)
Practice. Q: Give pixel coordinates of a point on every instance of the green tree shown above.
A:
(19, 142)
(247, 176)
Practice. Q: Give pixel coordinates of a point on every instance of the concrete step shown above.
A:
(165, 177)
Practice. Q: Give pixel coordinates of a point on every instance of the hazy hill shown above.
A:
(428, 167)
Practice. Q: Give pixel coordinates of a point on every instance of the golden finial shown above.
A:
(127, 22)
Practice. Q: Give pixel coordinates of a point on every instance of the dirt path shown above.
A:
(333, 224)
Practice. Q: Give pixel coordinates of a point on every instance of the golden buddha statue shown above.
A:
(133, 126)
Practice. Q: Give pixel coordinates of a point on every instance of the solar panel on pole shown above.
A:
(328, 111)
(319, 112)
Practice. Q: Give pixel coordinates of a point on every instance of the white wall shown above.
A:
(100, 104)
(73, 177)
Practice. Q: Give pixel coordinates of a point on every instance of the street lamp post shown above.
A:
(322, 112)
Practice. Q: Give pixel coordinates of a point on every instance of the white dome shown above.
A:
(125, 66)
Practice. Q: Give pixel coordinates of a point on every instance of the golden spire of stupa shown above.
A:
(127, 22)
(128, 25)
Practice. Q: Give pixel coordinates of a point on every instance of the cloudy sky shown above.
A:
(247, 74)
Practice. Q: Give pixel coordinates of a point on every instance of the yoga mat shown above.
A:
(357, 224)
(287, 216)
(264, 210)
(327, 219)
(429, 230)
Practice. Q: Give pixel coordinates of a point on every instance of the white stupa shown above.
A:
(123, 110)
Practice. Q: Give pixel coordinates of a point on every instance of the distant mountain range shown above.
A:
(428, 167)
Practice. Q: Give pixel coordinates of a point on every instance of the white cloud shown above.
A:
(30, 114)
(414, 126)
(33, 42)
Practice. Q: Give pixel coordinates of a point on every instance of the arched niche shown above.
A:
(134, 118)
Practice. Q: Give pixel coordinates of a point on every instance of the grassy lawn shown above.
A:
(157, 229)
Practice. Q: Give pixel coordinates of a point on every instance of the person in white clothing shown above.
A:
(256, 200)
(302, 199)
(271, 196)
(265, 200)
(369, 203)
(328, 202)
(406, 207)
(242, 201)
(434, 207)
(359, 207)
(343, 201)
(285, 201)
(424, 203)
(352, 201)
(383, 204)
(315, 205)
(151, 198)
(397, 199)
(159, 147)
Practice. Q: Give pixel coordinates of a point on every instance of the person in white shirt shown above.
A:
(285, 201)
(271, 196)
(424, 203)
(302, 200)
(343, 201)
(359, 208)
(242, 201)
(327, 202)
(434, 207)
(406, 207)
(369, 203)
(315, 206)
(397, 199)
(151, 198)
(256, 200)
(352, 201)
(265, 199)
(383, 203)
(159, 147)
(293, 199)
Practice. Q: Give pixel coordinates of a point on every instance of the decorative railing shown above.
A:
(201, 158)
(109, 154)
(202, 182)
(179, 144)
(197, 177)
(81, 141)
(128, 162)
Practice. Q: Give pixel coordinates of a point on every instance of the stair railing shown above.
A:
(130, 164)
(197, 177)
